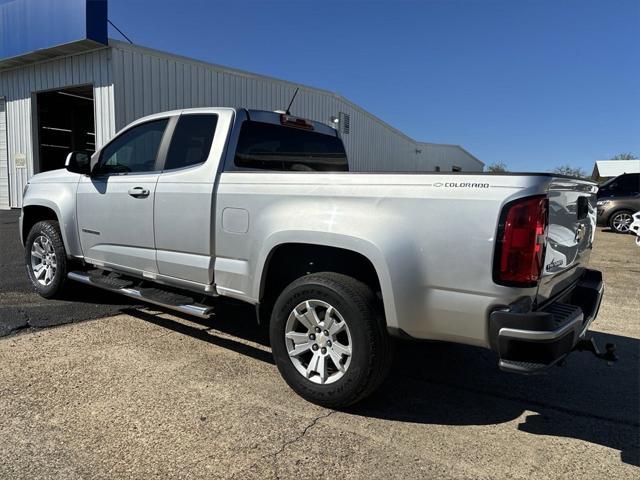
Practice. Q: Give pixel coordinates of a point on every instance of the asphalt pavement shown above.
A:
(21, 309)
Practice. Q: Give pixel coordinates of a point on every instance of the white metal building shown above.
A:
(64, 101)
(605, 169)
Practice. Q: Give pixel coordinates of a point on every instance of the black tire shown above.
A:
(615, 216)
(50, 230)
(371, 345)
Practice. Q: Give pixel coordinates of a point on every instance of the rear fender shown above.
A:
(357, 245)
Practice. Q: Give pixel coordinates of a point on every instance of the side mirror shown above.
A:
(78, 162)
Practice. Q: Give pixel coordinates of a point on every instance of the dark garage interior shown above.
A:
(65, 123)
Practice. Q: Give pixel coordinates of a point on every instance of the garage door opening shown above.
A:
(65, 124)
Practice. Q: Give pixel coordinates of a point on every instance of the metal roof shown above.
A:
(613, 168)
(36, 30)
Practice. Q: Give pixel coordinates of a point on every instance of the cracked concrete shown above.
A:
(146, 394)
(285, 444)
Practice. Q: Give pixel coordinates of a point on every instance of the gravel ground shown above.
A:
(145, 394)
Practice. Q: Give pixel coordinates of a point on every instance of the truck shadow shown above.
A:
(450, 384)
(205, 329)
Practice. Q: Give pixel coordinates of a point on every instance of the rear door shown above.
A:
(115, 203)
(572, 227)
(185, 197)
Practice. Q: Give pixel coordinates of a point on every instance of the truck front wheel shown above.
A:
(46, 258)
(329, 340)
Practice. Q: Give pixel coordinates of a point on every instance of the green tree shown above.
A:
(497, 167)
(624, 156)
(570, 171)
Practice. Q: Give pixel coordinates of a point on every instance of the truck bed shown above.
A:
(440, 230)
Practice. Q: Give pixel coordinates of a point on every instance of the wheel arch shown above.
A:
(57, 206)
(32, 214)
(338, 253)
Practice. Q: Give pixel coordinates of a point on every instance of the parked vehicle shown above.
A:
(618, 200)
(185, 206)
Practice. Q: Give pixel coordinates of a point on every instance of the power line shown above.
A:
(120, 31)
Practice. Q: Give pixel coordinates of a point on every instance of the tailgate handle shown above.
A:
(583, 207)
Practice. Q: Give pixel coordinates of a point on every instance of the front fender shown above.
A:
(60, 198)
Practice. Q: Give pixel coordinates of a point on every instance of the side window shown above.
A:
(134, 151)
(265, 146)
(629, 184)
(191, 140)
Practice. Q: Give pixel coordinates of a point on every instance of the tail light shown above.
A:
(521, 239)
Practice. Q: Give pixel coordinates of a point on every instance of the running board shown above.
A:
(170, 300)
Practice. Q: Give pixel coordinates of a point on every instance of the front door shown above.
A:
(115, 204)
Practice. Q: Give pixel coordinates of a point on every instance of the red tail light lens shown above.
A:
(520, 243)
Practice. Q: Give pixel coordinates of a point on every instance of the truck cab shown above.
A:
(145, 204)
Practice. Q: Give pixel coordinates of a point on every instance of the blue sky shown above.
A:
(534, 84)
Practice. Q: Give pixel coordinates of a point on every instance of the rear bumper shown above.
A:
(531, 341)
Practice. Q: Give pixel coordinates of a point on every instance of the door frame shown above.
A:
(35, 119)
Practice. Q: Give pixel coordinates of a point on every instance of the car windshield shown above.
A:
(608, 182)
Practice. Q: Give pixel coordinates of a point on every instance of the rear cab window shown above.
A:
(267, 146)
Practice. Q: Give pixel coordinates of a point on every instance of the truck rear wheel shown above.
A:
(46, 258)
(328, 339)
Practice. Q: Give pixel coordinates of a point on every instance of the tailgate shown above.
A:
(572, 227)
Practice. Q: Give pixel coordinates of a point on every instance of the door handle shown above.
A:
(138, 192)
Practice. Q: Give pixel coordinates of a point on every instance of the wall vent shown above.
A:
(345, 122)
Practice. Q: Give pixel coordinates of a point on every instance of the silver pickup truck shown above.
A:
(186, 206)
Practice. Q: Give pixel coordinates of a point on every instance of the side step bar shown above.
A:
(170, 300)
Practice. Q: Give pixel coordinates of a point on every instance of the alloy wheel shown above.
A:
(622, 221)
(318, 341)
(43, 260)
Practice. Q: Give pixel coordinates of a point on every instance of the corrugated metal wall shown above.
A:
(148, 81)
(19, 85)
(131, 81)
(434, 155)
(4, 167)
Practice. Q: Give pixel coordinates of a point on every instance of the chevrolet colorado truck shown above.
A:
(186, 206)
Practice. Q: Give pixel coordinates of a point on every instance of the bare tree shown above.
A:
(570, 171)
(497, 167)
(624, 156)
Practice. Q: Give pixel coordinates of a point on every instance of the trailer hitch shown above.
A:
(589, 345)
